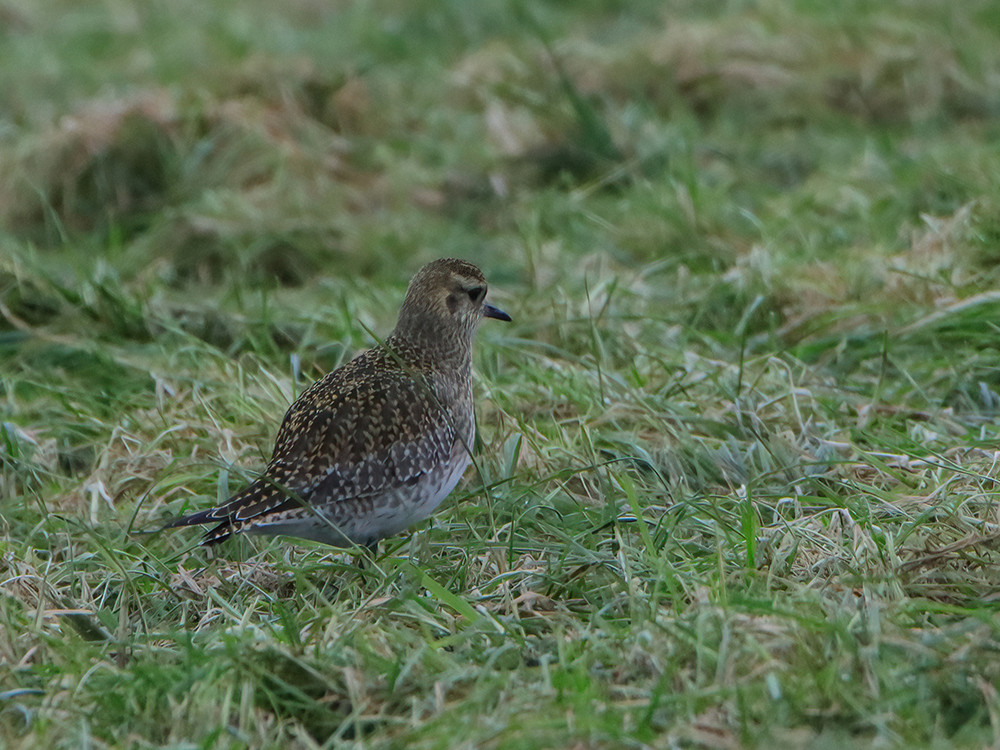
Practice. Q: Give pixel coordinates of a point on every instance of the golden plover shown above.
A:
(377, 444)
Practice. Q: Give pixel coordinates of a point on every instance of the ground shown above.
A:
(736, 470)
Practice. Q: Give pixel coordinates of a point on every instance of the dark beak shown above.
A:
(495, 312)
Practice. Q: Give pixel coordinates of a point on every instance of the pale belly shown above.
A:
(419, 502)
(366, 520)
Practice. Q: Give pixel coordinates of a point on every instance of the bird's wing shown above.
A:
(346, 437)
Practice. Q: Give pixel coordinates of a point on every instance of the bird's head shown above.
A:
(445, 303)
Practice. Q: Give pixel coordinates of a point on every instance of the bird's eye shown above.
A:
(476, 293)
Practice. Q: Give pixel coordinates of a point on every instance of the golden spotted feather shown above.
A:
(363, 430)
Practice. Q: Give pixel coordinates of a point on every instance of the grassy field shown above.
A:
(737, 461)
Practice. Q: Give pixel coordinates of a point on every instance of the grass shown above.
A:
(737, 469)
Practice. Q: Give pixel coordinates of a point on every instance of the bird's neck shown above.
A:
(422, 347)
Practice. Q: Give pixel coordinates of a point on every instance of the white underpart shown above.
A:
(395, 511)
(425, 499)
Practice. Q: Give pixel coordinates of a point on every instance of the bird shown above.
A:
(376, 445)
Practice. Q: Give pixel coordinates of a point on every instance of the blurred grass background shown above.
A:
(737, 454)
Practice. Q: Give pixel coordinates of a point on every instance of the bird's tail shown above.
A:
(231, 516)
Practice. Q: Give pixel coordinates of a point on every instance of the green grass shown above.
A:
(737, 470)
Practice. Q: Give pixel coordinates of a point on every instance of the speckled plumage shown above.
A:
(375, 445)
